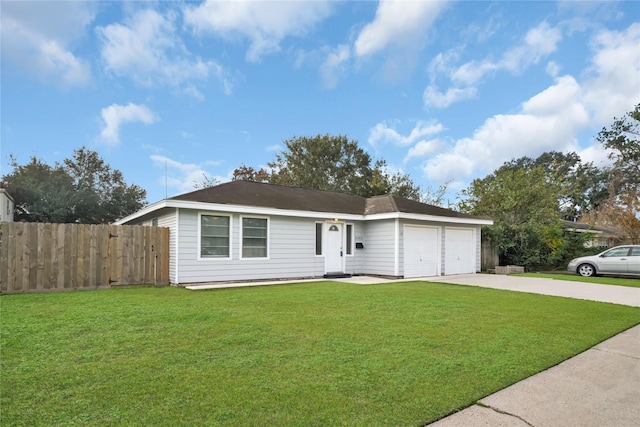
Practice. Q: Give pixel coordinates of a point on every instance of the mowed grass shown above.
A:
(314, 354)
(601, 280)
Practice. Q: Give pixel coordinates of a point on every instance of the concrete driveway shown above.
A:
(623, 295)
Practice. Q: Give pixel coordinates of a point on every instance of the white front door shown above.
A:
(334, 255)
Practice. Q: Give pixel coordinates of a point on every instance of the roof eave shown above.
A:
(142, 212)
(433, 218)
(260, 210)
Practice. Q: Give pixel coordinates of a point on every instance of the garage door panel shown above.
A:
(420, 251)
(460, 251)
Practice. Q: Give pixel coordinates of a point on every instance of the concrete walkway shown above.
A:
(623, 295)
(600, 387)
(605, 293)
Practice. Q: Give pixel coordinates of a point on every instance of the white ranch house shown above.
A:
(245, 231)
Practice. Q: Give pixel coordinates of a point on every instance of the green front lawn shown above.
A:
(320, 353)
(602, 280)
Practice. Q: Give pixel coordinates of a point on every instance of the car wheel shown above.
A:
(586, 270)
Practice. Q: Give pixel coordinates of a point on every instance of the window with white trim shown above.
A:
(349, 239)
(319, 226)
(255, 237)
(214, 236)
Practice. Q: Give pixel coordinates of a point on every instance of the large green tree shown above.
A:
(622, 209)
(323, 162)
(398, 183)
(83, 189)
(41, 192)
(523, 204)
(582, 186)
(622, 139)
(248, 173)
(333, 163)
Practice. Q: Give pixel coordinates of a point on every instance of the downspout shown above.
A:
(396, 255)
(177, 243)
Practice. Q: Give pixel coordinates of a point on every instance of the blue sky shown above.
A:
(443, 91)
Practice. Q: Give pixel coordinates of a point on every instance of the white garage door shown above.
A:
(420, 251)
(459, 251)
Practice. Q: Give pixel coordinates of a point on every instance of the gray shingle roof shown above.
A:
(257, 194)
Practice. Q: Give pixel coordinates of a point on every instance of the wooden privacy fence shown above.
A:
(489, 259)
(38, 257)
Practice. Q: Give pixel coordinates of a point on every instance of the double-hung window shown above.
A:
(255, 239)
(214, 236)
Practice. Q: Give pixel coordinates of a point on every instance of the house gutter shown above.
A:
(181, 204)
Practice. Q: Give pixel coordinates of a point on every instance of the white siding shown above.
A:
(291, 252)
(379, 248)
(6, 206)
(355, 262)
(170, 221)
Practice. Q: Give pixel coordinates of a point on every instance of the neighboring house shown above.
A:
(244, 230)
(600, 236)
(7, 206)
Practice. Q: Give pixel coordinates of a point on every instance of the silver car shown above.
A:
(621, 260)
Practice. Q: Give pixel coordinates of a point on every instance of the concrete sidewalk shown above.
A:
(600, 387)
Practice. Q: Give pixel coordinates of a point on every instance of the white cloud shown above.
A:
(450, 166)
(553, 68)
(424, 148)
(37, 36)
(397, 23)
(146, 49)
(433, 98)
(552, 119)
(538, 43)
(183, 176)
(613, 86)
(265, 24)
(472, 72)
(116, 115)
(382, 133)
(334, 65)
(547, 121)
(595, 154)
(442, 63)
